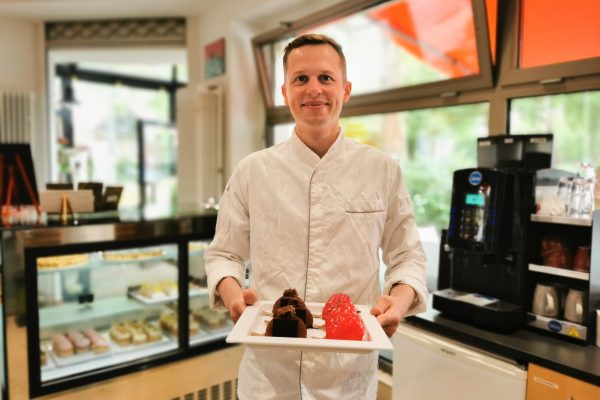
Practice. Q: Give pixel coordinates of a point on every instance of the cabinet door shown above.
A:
(102, 309)
(545, 384)
(206, 325)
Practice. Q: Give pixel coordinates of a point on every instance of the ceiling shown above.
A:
(53, 10)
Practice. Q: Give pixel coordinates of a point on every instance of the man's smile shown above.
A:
(315, 103)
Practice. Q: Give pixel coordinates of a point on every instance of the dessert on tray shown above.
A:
(210, 317)
(133, 254)
(290, 297)
(81, 343)
(170, 323)
(120, 334)
(69, 260)
(98, 344)
(286, 323)
(62, 346)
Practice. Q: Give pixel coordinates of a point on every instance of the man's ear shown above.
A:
(347, 91)
(284, 93)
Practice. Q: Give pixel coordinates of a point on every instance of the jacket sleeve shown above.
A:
(401, 245)
(229, 251)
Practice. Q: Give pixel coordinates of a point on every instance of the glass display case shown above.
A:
(98, 301)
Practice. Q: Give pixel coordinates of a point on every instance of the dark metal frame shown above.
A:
(21, 248)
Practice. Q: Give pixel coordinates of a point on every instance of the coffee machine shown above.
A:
(486, 236)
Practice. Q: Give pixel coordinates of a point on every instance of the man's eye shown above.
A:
(326, 78)
(301, 79)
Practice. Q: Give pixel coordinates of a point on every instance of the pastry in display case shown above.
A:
(97, 301)
(97, 311)
(212, 324)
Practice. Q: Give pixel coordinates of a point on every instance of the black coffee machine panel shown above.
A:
(486, 237)
(478, 201)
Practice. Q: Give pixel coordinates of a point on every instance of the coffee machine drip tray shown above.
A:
(479, 310)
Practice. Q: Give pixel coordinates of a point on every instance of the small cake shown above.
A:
(153, 331)
(120, 334)
(136, 328)
(150, 291)
(168, 287)
(169, 322)
(62, 346)
(286, 324)
(290, 297)
(81, 343)
(210, 317)
(194, 327)
(98, 344)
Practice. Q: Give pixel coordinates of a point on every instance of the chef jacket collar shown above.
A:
(309, 156)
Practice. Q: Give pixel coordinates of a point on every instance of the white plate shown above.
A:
(252, 323)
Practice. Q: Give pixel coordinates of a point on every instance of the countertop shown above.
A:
(525, 345)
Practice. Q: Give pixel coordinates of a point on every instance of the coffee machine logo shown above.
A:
(475, 178)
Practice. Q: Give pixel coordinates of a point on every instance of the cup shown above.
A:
(545, 300)
(581, 200)
(581, 262)
(575, 305)
(563, 192)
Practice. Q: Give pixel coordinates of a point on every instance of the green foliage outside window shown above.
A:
(429, 145)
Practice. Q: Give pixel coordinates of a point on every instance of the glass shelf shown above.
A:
(561, 220)
(569, 273)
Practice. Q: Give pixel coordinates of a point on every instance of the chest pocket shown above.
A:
(366, 218)
(364, 206)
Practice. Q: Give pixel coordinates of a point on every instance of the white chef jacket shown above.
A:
(315, 225)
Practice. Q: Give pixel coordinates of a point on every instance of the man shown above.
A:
(311, 214)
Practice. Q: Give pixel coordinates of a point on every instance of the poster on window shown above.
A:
(214, 56)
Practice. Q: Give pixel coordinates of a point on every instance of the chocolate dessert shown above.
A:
(290, 297)
(285, 323)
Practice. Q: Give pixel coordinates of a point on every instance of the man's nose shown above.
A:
(314, 87)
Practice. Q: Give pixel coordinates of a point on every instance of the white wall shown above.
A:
(23, 65)
(22, 60)
(17, 54)
(238, 22)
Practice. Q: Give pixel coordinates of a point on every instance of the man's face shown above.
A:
(315, 88)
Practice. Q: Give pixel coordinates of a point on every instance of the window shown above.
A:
(397, 44)
(572, 118)
(553, 31)
(549, 41)
(429, 144)
(114, 126)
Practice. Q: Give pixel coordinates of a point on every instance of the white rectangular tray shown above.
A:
(254, 317)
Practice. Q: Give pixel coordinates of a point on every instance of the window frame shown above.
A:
(507, 81)
(549, 74)
(425, 95)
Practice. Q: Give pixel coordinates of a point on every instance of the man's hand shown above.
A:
(390, 309)
(235, 298)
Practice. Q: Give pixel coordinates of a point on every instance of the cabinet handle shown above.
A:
(547, 383)
(571, 398)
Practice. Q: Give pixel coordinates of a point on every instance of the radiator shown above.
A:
(16, 116)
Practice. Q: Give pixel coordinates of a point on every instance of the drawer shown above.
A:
(546, 384)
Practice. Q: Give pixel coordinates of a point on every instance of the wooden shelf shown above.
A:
(569, 273)
(561, 220)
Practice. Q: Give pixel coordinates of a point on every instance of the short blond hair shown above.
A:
(311, 39)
